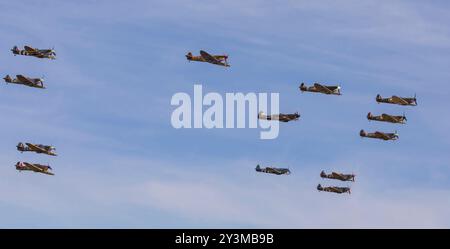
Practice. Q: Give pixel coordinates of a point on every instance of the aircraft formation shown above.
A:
(336, 176)
(220, 60)
(35, 83)
(395, 119)
(316, 87)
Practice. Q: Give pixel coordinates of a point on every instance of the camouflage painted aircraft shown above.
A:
(338, 190)
(397, 100)
(338, 176)
(220, 60)
(22, 80)
(379, 135)
(280, 117)
(39, 168)
(272, 170)
(38, 148)
(388, 118)
(39, 53)
(318, 88)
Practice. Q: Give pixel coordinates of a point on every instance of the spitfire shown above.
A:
(379, 135)
(397, 100)
(388, 118)
(22, 80)
(280, 117)
(338, 190)
(220, 60)
(318, 88)
(338, 176)
(39, 168)
(273, 170)
(38, 148)
(39, 53)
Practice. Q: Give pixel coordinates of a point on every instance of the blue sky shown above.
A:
(121, 164)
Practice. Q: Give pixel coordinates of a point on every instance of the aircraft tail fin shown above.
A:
(189, 56)
(20, 146)
(8, 79)
(258, 168)
(302, 87)
(362, 133)
(323, 174)
(378, 98)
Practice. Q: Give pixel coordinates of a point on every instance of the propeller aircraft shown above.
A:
(273, 170)
(397, 100)
(338, 176)
(220, 60)
(280, 117)
(22, 80)
(39, 53)
(318, 88)
(38, 148)
(333, 189)
(379, 135)
(39, 168)
(388, 118)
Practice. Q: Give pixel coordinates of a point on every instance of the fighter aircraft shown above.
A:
(338, 190)
(318, 88)
(220, 60)
(280, 117)
(388, 118)
(39, 53)
(38, 148)
(397, 100)
(22, 80)
(379, 135)
(39, 168)
(272, 170)
(338, 176)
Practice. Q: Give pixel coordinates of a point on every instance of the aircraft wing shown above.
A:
(382, 135)
(274, 170)
(36, 148)
(220, 57)
(209, 58)
(33, 167)
(322, 88)
(389, 118)
(334, 189)
(30, 49)
(337, 175)
(25, 80)
(399, 100)
(281, 171)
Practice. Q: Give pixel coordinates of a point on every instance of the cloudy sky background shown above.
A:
(121, 164)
